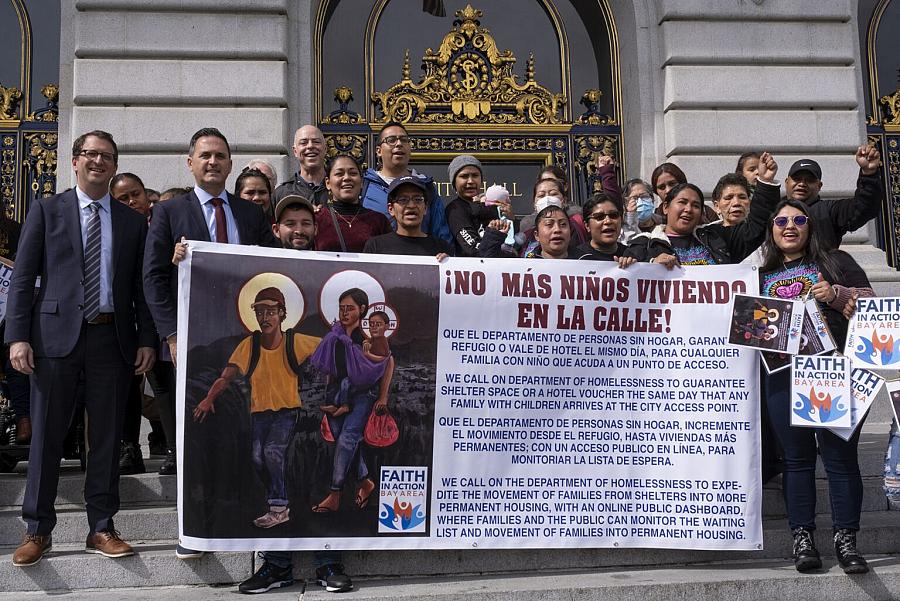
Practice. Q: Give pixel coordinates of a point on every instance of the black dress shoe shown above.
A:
(806, 556)
(169, 466)
(130, 459)
(846, 553)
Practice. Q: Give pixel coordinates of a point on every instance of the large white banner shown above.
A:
(537, 404)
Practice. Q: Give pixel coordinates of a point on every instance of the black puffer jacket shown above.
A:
(725, 244)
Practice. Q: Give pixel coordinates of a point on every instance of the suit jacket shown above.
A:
(50, 246)
(183, 216)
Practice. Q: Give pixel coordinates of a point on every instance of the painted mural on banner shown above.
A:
(349, 402)
(873, 337)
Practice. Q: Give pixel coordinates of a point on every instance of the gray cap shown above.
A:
(457, 164)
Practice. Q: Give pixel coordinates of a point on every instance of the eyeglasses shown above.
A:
(391, 140)
(91, 155)
(639, 197)
(407, 200)
(600, 216)
(798, 220)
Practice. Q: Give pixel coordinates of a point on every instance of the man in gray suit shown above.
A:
(88, 321)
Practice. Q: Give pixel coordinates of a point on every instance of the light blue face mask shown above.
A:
(644, 208)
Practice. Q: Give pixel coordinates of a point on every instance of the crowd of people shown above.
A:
(115, 327)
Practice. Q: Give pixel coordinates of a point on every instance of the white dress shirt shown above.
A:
(106, 242)
(209, 213)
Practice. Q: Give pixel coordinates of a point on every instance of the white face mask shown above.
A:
(547, 201)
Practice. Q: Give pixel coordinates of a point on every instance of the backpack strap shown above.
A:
(289, 351)
(255, 345)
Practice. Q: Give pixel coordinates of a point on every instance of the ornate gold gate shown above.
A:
(28, 121)
(471, 99)
(883, 122)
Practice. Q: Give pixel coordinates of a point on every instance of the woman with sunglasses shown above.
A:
(797, 265)
(681, 240)
(603, 218)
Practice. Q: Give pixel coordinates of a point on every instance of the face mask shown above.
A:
(644, 208)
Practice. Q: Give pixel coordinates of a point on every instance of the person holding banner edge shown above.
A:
(797, 263)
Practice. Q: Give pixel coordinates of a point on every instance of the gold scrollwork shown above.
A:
(469, 80)
(343, 116)
(592, 116)
(41, 162)
(352, 144)
(485, 144)
(50, 113)
(9, 102)
(8, 174)
(587, 149)
(891, 110)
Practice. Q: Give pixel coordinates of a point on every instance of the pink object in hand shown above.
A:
(495, 194)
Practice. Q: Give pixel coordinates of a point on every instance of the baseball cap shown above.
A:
(806, 165)
(412, 180)
(270, 296)
(292, 199)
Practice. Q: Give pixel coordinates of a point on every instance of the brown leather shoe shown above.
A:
(23, 430)
(108, 544)
(32, 549)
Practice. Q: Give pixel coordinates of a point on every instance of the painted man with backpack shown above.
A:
(274, 394)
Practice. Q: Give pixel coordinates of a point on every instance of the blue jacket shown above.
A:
(374, 196)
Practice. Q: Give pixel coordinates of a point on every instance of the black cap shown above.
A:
(412, 180)
(806, 165)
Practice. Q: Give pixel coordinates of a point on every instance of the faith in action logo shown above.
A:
(403, 499)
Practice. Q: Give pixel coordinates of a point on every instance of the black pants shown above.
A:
(106, 374)
(163, 383)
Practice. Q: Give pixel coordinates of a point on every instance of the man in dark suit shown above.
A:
(207, 213)
(89, 320)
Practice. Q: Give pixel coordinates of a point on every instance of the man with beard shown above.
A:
(309, 181)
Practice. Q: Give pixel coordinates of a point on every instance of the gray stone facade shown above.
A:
(702, 81)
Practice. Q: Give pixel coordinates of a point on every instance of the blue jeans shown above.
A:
(272, 432)
(845, 489)
(892, 469)
(348, 431)
(283, 559)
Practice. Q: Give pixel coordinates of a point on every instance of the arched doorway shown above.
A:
(881, 18)
(29, 76)
(518, 83)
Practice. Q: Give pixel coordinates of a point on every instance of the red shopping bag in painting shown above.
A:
(381, 429)
(325, 429)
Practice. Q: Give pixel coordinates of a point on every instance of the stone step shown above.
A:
(160, 522)
(736, 581)
(149, 488)
(155, 564)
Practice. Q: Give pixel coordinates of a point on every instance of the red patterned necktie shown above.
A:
(221, 224)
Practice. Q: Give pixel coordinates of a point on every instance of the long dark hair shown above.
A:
(359, 297)
(815, 251)
(670, 168)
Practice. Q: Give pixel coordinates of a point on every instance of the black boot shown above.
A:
(806, 557)
(846, 553)
(130, 459)
(170, 465)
